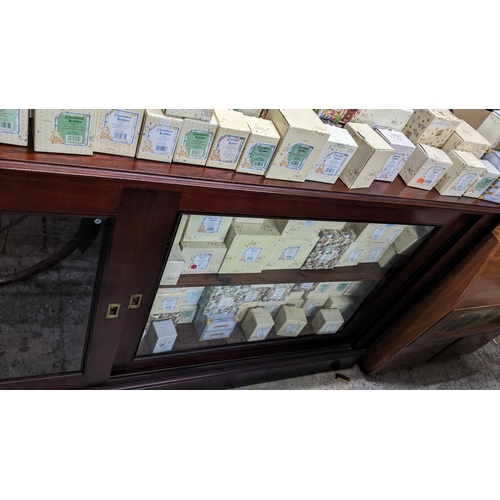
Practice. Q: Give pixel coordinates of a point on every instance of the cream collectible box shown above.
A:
(70, 131)
(195, 114)
(202, 257)
(331, 246)
(249, 247)
(467, 138)
(314, 303)
(393, 119)
(377, 233)
(174, 266)
(362, 252)
(490, 128)
(297, 229)
(255, 113)
(206, 228)
(215, 326)
(303, 136)
(484, 181)
(327, 321)
(118, 131)
(229, 140)
(431, 126)
(465, 170)
(276, 293)
(167, 301)
(222, 299)
(257, 324)
(403, 148)
(369, 159)
(162, 336)
(289, 321)
(256, 292)
(334, 157)
(195, 141)
(290, 253)
(260, 146)
(425, 167)
(14, 126)
(159, 136)
(412, 236)
(390, 257)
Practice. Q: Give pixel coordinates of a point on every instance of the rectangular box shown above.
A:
(187, 314)
(289, 321)
(425, 167)
(167, 302)
(203, 257)
(492, 194)
(390, 257)
(377, 233)
(195, 140)
(298, 229)
(393, 119)
(369, 159)
(222, 299)
(303, 136)
(230, 139)
(334, 157)
(206, 228)
(70, 131)
(14, 126)
(403, 148)
(466, 138)
(118, 131)
(260, 146)
(327, 321)
(290, 253)
(215, 326)
(195, 114)
(431, 126)
(277, 293)
(162, 336)
(159, 136)
(477, 188)
(174, 266)
(257, 324)
(465, 170)
(249, 247)
(490, 128)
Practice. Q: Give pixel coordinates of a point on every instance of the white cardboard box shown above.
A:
(467, 138)
(206, 228)
(290, 253)
(490, 128)
(403, 148)
(14, 126)
(393, 119)
(431, 126)
(174, 266)
(377, 233)
(203, 257)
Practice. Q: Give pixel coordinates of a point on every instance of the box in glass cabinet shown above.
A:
(206, 228)
(490, 128)
(254, 113)
(257, 324)
(167, 301)
(410, 239)
(202, 257)
(313, 303)
(290, 253)
(289, 321)
(277, 292)
(362, 252)
(377, 233)
(162, 336)
(431, 126)
(174, 266)
(273, 307)
(14, 126)
(477, 188)
(118, 131)
(393, 119)
(467, 138)
(186, 314)
(303, 136)
(222, 299)
(70, 131)
(327, 321)
(346, 305)
(196, 114)
(214, 326)
(159, 136)
(403, 148)
(195, 141)
(230, 138)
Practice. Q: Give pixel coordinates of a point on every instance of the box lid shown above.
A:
(260, 126)
(444, 114)
(340, 136)
(369, 135)
(228, 118)
(436, 154)
(395, 138)
(304, 119)
(469, 133)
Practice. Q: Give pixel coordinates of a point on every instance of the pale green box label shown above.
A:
(9, 121)
(73, 128)
(260, 155)
(197, 143)
(298, 154)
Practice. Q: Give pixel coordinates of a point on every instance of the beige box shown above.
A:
(377, 233)
(334, 157)
(390, 257)
(331, 246)
(465, 170)
(369, 159)
(303, 136)
(159, 136)
(256, 292)
(195, 140)
(490, 128)
(249, 247)
(70, 131)
(257, 324)
(393, 119)
(14, 126)
(425, 167)
(206, 228)
(186, 314)
(195, 114)
(289, 321)
(295, 296)
(118, 131)
(222, 299)
(431, 126)
(174, 266)
(467, 138)
(167, 302)
(403, 148)
(202, 257)
(298, 229)
(250, 112)
(412, 236)
(478, 187)
(327, 321)
(314, 303)
(277, 293)
(290, 253)
(260, 146)
(229, 140)
(362, 252)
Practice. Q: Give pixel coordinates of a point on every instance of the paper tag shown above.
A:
(379, 232)
(169, 304)
(10, 121)
(332, 328)
(197, 143)
(262, 332)
(334, 163)
(309, 222)
(191, 298)
(392, 167)
(200, 261)
(312, 306)
(306, 286)
(120, 125)
(431, 176)
(289, 253)
(354, 255)
(72, 129)
(464, 181)
(251, 254)
(229, 148)
(298, 155)
(278, 294)
(375, 254)
(323, 288)
(260, 155)
(252, 295)
(163, 139)
(210, 225)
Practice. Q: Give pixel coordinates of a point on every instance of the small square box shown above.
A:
(377, 233)
(345, 304)
(314, 303)
(273, 307)
(14, 126)
(202, 257)
(244, 308)
(289, 321)
(484, 181)
(467, 138)
(403, 148)
(327, 321)
(162, 336)
(195, 141)
(257, 324)
(431, 126)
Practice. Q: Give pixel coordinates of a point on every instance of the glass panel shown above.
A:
(260, 296)
(48, 267)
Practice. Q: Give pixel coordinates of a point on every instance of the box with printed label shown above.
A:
(222, 299)
(195, 114)
(187, 314)
(334, 157)
(477, 188)
(403, 148)
(369, 159)
(278, 292)
(465, 170)
(431, 126)
(331, 245)
(260, 146)
(159, 136)
(70, 131)
(256, 292)
(467, 138)
(303, 136)
(167, 302)
(361, 251)
(230, 139)
(490, 128)
(214, 326)
(202, 257)
(249, 246)
(289, 321)
(338, 115)
(492, 193)
(314, 303)
(14, 126)
(192, 295)
(393, 119)
(327, 321)
(255, 113)
(290, 253)
(162, 336)
(412, 236)
(118, 131)
(206, 228)
(298, 228)
(377, 233)
(425, 167)
(330, 288)
(174, 266)
(257, 324)
(303, 287)
(195, 140)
